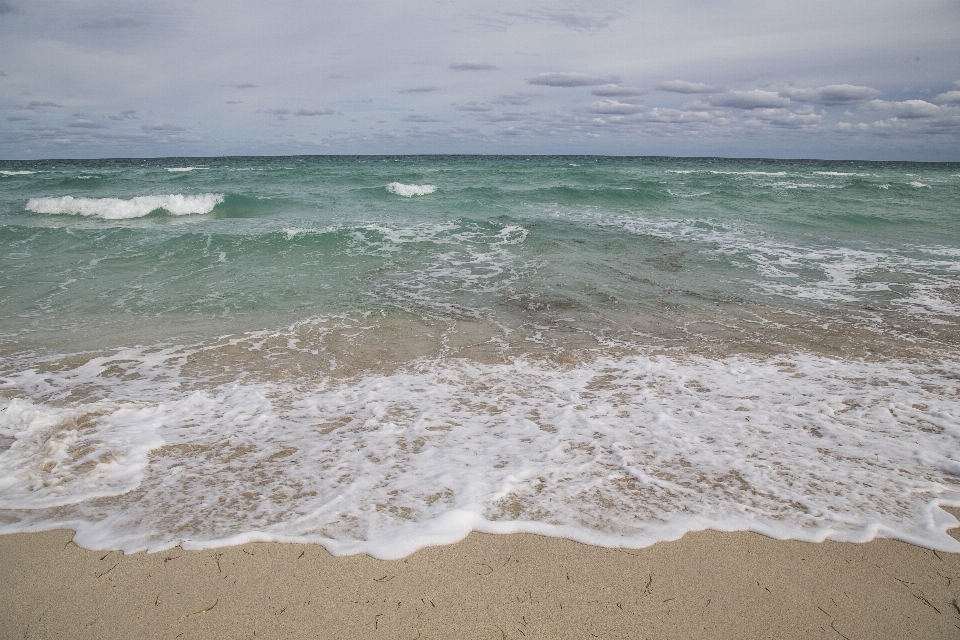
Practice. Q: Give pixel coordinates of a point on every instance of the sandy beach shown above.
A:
(705, 585)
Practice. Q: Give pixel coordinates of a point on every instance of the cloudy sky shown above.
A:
(858, 79)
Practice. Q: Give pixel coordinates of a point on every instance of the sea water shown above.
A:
(382, 353)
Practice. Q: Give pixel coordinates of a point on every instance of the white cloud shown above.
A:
(785, 118)
(83, 123)
(615, 107)
(949, 97)
(756, 99)
(682, 86)
(832, 94)
(905, 108)
(567, 80)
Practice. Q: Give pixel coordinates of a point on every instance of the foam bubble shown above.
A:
(410, 190)
(117, 209)
(618, 451)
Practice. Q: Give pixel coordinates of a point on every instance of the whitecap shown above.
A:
(182, 169)
(17, 173)
(410, 190)
(117, 209)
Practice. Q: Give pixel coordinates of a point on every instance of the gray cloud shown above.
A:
(2, 74)
(244, 85)
(474, 106)
(949, 97)
(36, 105)
(83, 123)
(314, 112)
(280, 113)
(129, 114)
(418, 118)
(118, 22)
(471, 66)
(18, 118)
(426, 89)
(6, 7)
(162, 127)
(756, 99)
(682, 86)
(616, 91)
(567, 80)
(905, 108)
(832, 94)
(515, 99)
(575, 21)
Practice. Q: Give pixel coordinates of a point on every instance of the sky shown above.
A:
(838, 79)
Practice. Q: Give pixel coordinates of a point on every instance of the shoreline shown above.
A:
(707, 584)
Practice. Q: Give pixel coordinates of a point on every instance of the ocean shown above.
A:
(378, 354)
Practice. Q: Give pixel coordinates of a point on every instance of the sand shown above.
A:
(706, 585)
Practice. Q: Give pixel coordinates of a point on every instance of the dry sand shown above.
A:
(706, 585)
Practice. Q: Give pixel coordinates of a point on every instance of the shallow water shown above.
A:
(378, 354)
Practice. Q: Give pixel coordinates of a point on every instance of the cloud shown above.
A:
(474, 106)
(832, 94)
(682, 86)
(119, 22)
(756, 99)
(244, 85)
(2, 74)
(83, 123)
(950, 97)
(471, 66)
(129, 114)
(234, 101)
(314, 112)
(6, 7)
(577, 22)
(785, 118)
(18, 118)
(616, 91)
(427, 89)
(419, 118)
(567, 80)
(280, 113)
(36, 105)
(162, 126)
(905, 109)
(515, 99)
(614, 107)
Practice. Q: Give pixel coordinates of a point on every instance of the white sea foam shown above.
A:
(619, 451)
(410, 190)
(117, 209)
(918, 184)
(17, 173)
(183, 169)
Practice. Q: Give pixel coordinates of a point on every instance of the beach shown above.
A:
(350, 395)
(705, 585)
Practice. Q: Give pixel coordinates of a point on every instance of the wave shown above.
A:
(410, 190)
(183, 169)
(617, 451)
(117, 209)
(17, 173)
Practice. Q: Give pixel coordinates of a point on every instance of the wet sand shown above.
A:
(706, 585)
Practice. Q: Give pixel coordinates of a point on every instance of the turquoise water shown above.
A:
(313, 307)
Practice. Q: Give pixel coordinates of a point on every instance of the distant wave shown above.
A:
(17, 173)
(410, 190)
(181, 169)
(117, 209)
